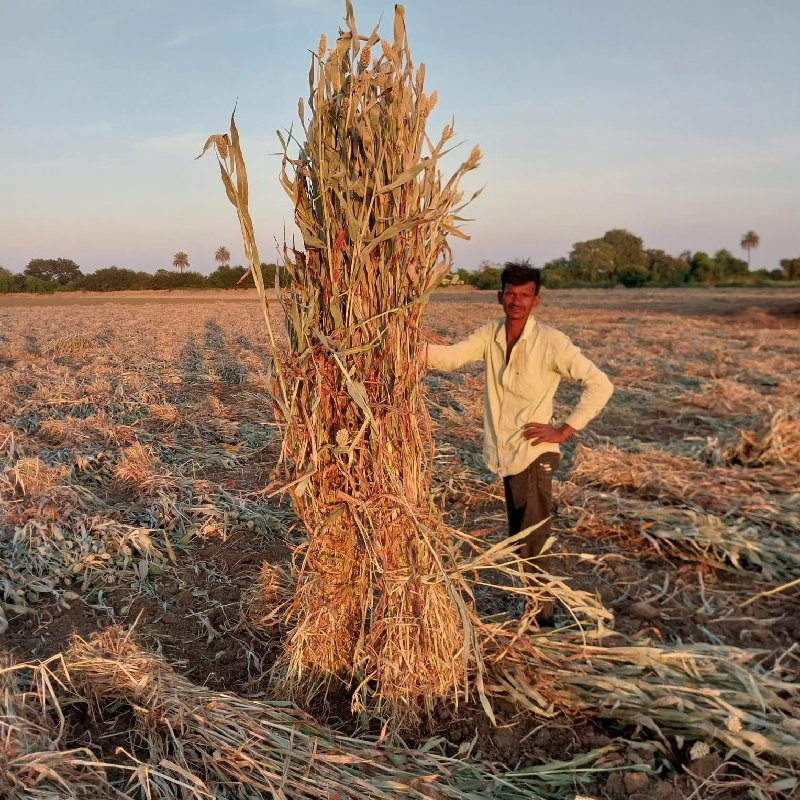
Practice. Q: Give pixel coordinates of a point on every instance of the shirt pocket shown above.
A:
(528, 382)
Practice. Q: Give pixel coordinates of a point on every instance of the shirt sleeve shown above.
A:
(568, 360)
(452, 356)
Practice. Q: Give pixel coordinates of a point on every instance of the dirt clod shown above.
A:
(184, 598)
(636, 782)
(643, 611)
(706, 766)
(615, 786)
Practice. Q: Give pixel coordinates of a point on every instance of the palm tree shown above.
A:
(222, 256)
(180, 261)
(749, 242)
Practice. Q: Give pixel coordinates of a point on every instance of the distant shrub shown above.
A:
(633, 275)
(268, 271)
(35, 285)
(164, 279)
(555, 274)
(487, 278)
(113, 279)
(226, 277)
(6, 281)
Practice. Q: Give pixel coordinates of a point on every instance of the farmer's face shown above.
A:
(518, 301)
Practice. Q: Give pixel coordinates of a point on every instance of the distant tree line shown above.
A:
(45, 275)
(619, 258)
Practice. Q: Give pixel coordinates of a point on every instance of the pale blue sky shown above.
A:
(678, 120)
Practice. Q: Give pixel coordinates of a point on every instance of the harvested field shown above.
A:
(136, 441)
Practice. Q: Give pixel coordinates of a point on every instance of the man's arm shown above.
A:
(445, 357)
(597, 389)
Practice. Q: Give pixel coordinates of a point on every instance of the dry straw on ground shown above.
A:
(137, 466)
(627, 687)
(33, 479)
(659, 475)
(722, 696)
(777, 442)
(726, 543)
(375, 598)
(196, 744)
(34, 764)
(724, 396)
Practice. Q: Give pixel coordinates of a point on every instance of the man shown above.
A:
(525, 361)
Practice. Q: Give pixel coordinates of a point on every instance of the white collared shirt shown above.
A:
(522, 391)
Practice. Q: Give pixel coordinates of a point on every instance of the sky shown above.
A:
(678, 121)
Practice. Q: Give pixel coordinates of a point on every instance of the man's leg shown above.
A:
(539, 508)
(516, 487)
(529, 500)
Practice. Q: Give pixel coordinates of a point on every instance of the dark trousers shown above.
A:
(529, 499)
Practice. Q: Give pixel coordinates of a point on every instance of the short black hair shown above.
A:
(518, 273)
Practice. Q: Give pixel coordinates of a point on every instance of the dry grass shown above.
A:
(776, 442)
(137, 466)
(34, 763)
(32, 479)
(266, 604)
(102, 456)
(74, 343)
(660, 475)
(748, 546)
(166, 413)
(725, 396)
(8, 441)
